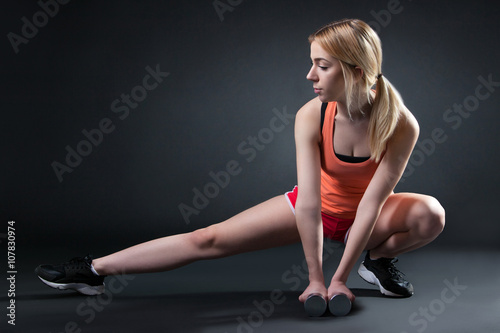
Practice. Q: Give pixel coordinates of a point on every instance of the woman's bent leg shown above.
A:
(407, 221)
(269, 224)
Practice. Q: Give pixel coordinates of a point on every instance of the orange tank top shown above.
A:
(342, 184)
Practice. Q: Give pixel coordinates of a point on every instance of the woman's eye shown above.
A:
(324, 68)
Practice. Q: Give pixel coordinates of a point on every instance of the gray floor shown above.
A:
(455, 291)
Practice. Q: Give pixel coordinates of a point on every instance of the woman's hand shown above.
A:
(314, 288)
(339, 287)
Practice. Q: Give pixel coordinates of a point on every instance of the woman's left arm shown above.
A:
(388, 173)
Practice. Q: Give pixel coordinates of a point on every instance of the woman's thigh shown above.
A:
(403, 212)
(269, 224)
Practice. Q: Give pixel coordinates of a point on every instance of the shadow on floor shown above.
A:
(235, 311)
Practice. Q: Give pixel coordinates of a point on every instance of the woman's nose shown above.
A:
(311, 76)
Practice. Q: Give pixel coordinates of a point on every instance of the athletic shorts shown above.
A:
(333, 227)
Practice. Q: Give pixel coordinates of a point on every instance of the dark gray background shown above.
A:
(226, 77)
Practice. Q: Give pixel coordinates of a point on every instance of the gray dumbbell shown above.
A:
(315, 305)
(339, 305)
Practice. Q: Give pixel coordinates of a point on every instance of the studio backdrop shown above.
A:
(127, 120)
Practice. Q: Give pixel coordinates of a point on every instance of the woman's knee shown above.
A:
(430, 217)
(204, 238)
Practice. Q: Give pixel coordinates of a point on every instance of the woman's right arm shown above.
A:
(308, 206)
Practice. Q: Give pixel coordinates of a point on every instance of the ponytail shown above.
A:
(386, 111)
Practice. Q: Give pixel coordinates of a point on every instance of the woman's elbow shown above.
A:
(307, 210)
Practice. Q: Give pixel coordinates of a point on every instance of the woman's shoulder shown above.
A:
(407, 127)
(307, 120)
(311, 110)
(408, 122)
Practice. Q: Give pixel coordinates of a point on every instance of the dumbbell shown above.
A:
(339, 305)
(315, 305)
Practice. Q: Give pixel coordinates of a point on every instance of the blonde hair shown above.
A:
(355, 44)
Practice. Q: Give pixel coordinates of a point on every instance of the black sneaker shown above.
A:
(385, 275)
(75, 274)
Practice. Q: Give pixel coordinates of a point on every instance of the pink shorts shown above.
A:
(333, 227)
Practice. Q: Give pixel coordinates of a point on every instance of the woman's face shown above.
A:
(326, 75)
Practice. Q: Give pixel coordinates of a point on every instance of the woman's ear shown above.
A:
(359, 73)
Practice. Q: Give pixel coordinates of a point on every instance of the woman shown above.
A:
(353, 144)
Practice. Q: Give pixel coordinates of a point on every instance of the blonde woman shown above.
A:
(353, 143)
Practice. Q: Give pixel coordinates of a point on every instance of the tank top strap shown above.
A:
(323, 110)
(327, 125)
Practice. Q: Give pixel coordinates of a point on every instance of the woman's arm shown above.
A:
(308, 206)
(384, 181)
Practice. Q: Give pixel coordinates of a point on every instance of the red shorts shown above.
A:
(333, 227)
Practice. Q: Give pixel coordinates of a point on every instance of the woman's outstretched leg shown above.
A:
(269, 224)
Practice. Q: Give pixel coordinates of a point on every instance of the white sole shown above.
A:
(82, 288)
(369, 277)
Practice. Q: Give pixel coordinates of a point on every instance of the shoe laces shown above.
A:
(391, 268)
(78, 262)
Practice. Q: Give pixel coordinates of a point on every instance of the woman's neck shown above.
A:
(357, 113)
